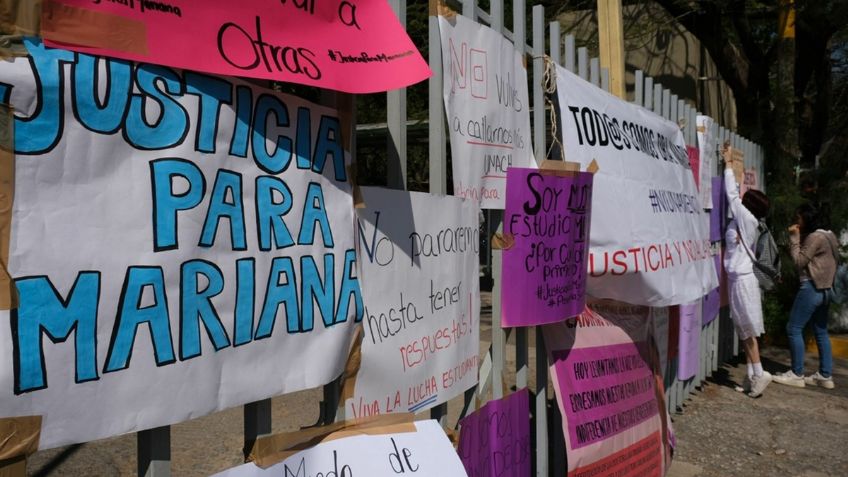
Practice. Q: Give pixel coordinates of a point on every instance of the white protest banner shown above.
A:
(649, 238)
(161, 217)
(706, 146)
(421, 289)
(488, 110)
(425, 452)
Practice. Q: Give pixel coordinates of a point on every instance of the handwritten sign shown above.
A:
(495, 440)
(689, 344)
(488, 109)
(422, 301)
(707, 158)
(608, 385)
(356, 46)
(171, 261)
(649, 237)
(547, 214)
(425, 453)
(694, 163)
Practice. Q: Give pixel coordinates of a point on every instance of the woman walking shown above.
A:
(815, 252)
(745, 299)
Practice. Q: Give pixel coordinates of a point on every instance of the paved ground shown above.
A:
(786, 432)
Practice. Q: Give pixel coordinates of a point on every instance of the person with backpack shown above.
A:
(746, 307)
(815, 252)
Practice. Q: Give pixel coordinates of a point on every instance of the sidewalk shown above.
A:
(787, 432)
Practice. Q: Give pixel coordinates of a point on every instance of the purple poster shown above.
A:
(689, 343)
(712, 300)
(544, 269)
(495, 440)
(718, 216)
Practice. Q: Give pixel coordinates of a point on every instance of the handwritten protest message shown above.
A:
(608, 385)
(357, 46)
(649, 238)
(178, 245)
(422, 301)
(488, 109)
(707, 158)
(426, 452)
(689, 344)
(547, 214)
(495, 440)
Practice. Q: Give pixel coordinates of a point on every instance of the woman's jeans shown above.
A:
(810, 305)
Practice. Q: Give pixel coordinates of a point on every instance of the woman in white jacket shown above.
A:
(746, 306)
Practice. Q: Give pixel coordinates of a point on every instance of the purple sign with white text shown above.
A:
(544, 268)
(495, 440)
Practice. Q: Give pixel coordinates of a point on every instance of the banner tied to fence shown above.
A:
(425, 452)
(649, 236)
(356, 46)
(488, 109)
(181, 243)
(421, 288)
(606, 373)
(547, 221)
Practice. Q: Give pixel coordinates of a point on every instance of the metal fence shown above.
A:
(718, 340)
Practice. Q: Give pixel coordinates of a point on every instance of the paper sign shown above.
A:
(694, 163)
(548, 216)
(607, 383)
(176, 250)
(488, 109)
(422, 301)
(718, 214)
(426, 452)
(649, 238)
(749, 181)
(707, 157)
(356, 46)
(495, 440)
(689, 343)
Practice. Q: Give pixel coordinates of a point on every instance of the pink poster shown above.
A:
(695, 163)
(544, 269)
(356, 46)
(689, 340)
(495, 440)
(609, 388)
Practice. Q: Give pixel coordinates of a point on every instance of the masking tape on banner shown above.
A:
(15, 467)
(8, 292)
(270, 450)
(439, 8)
(84, 27)
(354, 361)
(19, 436)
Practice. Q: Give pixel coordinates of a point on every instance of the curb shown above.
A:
(838, 345)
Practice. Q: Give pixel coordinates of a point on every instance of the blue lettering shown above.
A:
(278, 161)
(213, 92)
(196, 306)
(171, 127)
(269, 213)
(226, 182)
(166, 202)
(314, 211)
(279, 293)
(107, 116)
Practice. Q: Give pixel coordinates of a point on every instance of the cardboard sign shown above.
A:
(356, 46)
(707, 158)
(495, 440)
(488, 109)
(689, 339)
(649, 238)
(420, 283)
(605, 371)
(425, 452)
(547, 214)
(174, 253)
